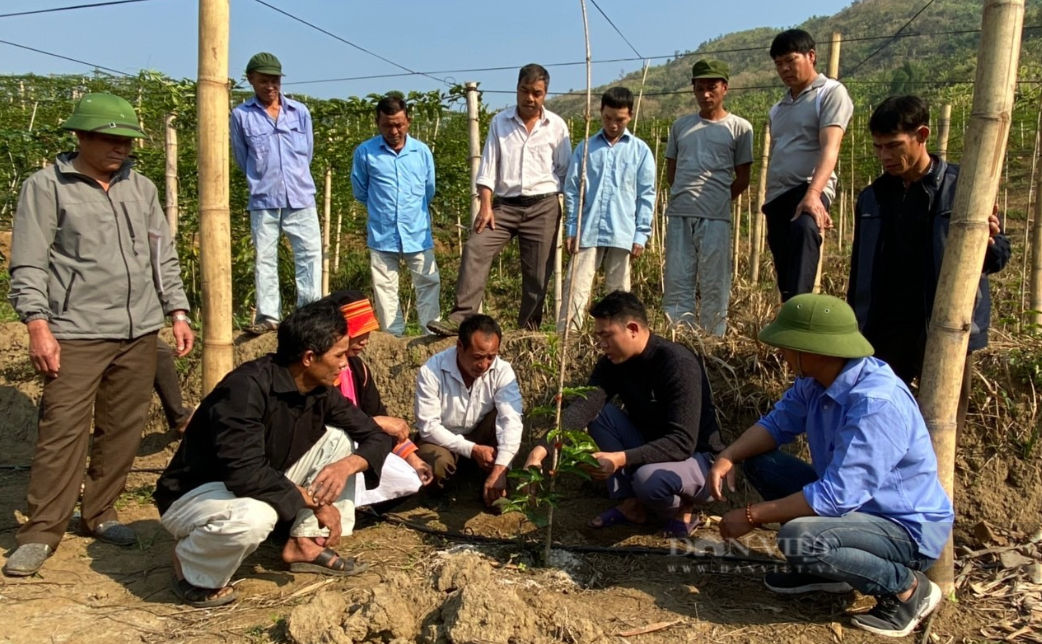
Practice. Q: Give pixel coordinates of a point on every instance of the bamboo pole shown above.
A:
(640, 96)
(339, 228)
(1033, 197)
(655, 242)
(556, 450)
(759, 225)
(950, 323)
(1035, 300)
(327, 206)
(736, 237)
(944, 129)
(214, 214)
(749, 218)
(833, 72)
(172, 212)
(474, 136)
(842, 220)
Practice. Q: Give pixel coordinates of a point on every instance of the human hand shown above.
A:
(484, 219)
(610, 462)
(44, 351)
(571, 245)
(811, 205)
(395, 427)
(735, 524)
(484, 456)
(184, 339)
(330, 482)
(721, 471)
(994, 227)
(495, 485)
(328, 517)
(637, 251)
(422, 469)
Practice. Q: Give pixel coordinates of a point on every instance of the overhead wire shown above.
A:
(349, 43)
(617, 30)
(92, 5)
(892, 39)
(68, 58)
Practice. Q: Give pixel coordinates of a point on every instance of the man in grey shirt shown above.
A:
(708, 159)
(807, 127)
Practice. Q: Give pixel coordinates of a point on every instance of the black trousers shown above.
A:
(795, 245)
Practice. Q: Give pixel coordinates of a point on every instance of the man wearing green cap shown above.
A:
(273, 144)
(93, 273)
(708, 159)
(868, 512)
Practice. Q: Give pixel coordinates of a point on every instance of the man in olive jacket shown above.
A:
(93, 275)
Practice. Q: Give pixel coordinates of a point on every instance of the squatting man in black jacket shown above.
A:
(654, 456)
(272, 442)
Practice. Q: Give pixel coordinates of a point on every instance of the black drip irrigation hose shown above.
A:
(578, 548)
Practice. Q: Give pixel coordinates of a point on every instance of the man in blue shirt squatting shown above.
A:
(616, 218)
(393, 175)
(869, 512)
(273, 144)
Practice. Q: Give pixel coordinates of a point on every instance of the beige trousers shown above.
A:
(616, 263)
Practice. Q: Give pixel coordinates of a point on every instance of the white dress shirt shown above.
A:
(519, 163)
(446, 410)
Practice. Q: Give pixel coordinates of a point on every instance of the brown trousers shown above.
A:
(444, 462)
(112, 378)
(535, 227)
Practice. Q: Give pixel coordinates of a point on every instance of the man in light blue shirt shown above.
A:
(869, 513)
(273, 144)
(616, 211)
(393, 175)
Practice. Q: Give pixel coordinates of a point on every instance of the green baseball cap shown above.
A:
(706, 68)
(104, 113)
(819, 324)
(264, 63)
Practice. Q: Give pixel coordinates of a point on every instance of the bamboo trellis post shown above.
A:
(1035, 298)
(640, 96)
(833, 72)
(749, 218)
(339, 228)
(759, 225)
(655, 242)
(842, 220)
(172, 212)
(951, 320)
(737, 237)
(944, 128)
(327, 205)
(214, 215)
(474, 139)
(1032, 216)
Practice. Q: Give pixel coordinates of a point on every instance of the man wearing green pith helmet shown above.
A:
(93, 275)
(868, 512)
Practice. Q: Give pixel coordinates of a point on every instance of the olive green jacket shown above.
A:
(96, 264)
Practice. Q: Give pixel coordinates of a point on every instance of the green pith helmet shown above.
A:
(264, 63)
(706, 68)
(820, 324)
(106, 114)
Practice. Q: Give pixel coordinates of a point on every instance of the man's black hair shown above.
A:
(391, 105)
(620, 307)
(899, 115)
(792, 41)
(532, 73)
(314, 327)
(475, 323)
(617, 98)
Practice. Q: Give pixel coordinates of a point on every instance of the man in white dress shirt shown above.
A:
(522, 170)
(468, 405)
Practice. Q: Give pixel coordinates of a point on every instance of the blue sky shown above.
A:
(422, 35)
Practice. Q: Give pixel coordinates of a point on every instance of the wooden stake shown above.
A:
(339, 234)
(833, 72)
(172, 211)
(759, 225)
(842, 220)
(640, 96)
(1035, 298)
(327, 206)
(736, 237)
(214, 215)
(1033, 197)
(655, 242)
(474, 136)
(950, 323)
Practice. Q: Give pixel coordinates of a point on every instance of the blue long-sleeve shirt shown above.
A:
(620, 192)
(870, 448)
(397, 190)
(275, 154)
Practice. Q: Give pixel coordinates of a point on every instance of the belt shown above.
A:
(523, 202)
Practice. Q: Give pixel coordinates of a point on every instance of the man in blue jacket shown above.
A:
(900, 230)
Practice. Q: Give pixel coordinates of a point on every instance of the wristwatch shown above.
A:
(181, 317)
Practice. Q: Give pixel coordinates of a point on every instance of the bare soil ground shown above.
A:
(427, 588)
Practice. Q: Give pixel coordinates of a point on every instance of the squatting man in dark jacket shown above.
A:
(272, 442)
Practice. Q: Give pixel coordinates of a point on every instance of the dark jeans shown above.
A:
(873, 554)
(795, 245)
(168, 385)
(444, 462)
(660, 487)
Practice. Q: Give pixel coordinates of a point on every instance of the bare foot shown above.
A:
(211, 593)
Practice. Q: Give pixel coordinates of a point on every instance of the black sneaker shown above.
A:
(444, 328)
(798, 583)
(894, 618)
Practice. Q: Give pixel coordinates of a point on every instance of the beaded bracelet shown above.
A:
(749, 515)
